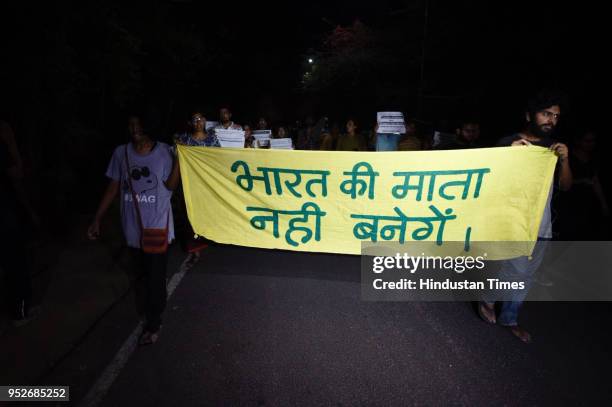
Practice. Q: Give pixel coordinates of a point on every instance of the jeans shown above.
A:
(520, 269)
(387, 141)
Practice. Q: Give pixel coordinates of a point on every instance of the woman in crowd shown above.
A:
(280, 132)
(351, 141)
(197, 134)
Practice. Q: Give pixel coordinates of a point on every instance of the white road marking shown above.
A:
(96, 394)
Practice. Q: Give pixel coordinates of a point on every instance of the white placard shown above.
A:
(230, 138)
(281, 143)
(262, 138)
(262, 143)
(390, 122)
(231, 143)
(262, 134)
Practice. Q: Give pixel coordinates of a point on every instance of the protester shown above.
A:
(309, 138)
(543, 112)
(410, 141)
(329, 140)
(249, 139)
(443, 133)
(584, 210)
(294, 130)
(197, 134)
(351, 140)
(467, 136)
(387, 141)
(15, 212)
(143, 174)
(280, 132)
(225, 120)
(262, 124)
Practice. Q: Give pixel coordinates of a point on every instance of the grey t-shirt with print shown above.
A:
(148, 173)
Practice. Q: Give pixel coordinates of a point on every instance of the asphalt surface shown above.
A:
(272, 328)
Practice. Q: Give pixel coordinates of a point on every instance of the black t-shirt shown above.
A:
(508, 140)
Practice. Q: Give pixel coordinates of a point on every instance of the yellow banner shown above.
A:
(321, 201)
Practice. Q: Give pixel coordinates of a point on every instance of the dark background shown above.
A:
(71, 72)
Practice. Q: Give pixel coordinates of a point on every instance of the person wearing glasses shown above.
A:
(542, 116)
(197, 135)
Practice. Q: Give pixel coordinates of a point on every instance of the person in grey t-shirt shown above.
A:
(542, 116)
(153, 177)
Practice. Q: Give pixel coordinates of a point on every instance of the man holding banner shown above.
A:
(310, 201)
(543, 112)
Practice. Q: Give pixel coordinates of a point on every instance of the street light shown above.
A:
(310, 61)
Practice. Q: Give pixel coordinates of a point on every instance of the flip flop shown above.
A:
(148, 338)
(520, 333)
(481, 312)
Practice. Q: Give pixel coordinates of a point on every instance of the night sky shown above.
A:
(86, 65)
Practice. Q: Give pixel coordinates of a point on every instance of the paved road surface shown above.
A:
(271, 328)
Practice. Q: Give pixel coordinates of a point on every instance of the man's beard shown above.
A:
(539, 131)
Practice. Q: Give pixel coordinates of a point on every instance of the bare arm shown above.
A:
(565, 176)
(565, 172)
(107, 199)
(175, 176)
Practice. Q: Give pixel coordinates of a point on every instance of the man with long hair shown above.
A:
(542, 116)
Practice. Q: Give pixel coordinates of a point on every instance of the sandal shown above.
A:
(520, 333)
(148, 338)
(487, 313)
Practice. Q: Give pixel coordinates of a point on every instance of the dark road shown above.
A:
(256, 327)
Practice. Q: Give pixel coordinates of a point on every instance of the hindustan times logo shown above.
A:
(458, 264)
